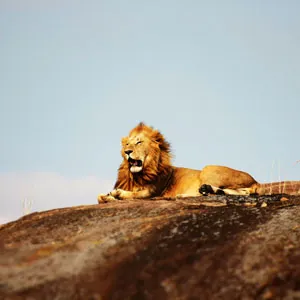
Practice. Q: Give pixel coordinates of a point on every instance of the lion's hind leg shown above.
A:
(207, 189)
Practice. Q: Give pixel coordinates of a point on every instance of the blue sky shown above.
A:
(220, 79)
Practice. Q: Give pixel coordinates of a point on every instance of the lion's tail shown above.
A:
(282, 187)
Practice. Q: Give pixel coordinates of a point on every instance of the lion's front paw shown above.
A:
(105, 198)
(117, 193)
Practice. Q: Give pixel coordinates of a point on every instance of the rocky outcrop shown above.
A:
(215, 247)
(282, 187)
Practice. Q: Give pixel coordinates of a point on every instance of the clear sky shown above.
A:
(220, 79)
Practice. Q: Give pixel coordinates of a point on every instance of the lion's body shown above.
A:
(188, 181)
(146, 171)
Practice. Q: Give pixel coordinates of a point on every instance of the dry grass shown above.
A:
(27, 206)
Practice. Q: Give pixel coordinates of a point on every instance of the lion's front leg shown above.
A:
(122, 194)
(115, 195)
(106, 198)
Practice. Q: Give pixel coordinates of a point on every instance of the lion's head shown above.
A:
(145, 151)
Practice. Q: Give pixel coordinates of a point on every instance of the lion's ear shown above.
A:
(159, 138)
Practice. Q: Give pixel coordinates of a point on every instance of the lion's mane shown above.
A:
(156, 172)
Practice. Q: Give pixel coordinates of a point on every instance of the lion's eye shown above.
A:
(139, 142)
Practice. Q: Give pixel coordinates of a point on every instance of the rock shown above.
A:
(284, 199)
(215, 247)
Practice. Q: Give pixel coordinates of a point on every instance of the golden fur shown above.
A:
(146, 171)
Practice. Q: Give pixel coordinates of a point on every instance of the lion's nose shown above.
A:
(128, 152)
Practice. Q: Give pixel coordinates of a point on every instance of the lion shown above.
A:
(147, 172)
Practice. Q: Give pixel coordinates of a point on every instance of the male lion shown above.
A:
(146, 171)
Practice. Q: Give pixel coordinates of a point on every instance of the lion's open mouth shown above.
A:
(135, 162)
(136, 165)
